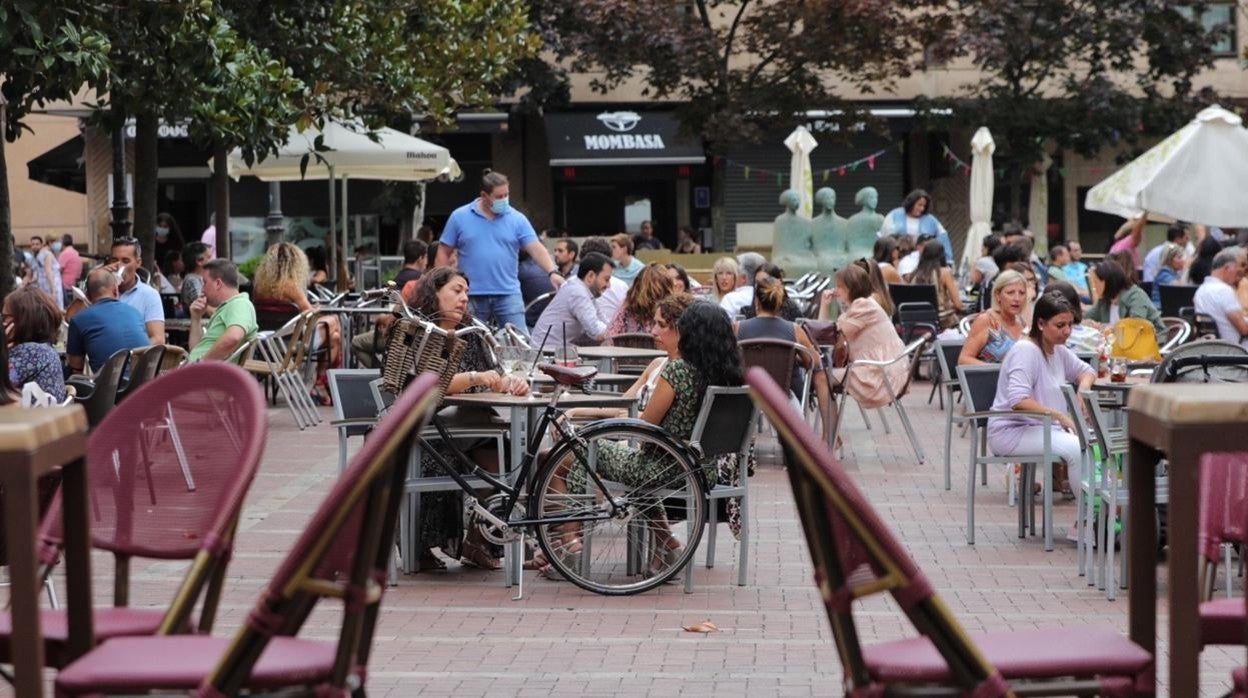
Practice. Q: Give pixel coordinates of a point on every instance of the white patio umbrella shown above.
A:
(1197, 174)
(393, 156)
(801, 143)
(982, 147)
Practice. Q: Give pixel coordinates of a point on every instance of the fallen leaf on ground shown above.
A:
(705, 626)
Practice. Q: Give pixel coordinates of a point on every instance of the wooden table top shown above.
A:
(1191, 403)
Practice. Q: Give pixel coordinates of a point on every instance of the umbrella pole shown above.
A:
(346, 221)
(333, 222)
(418, 214)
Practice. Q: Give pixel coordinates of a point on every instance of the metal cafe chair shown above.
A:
(141, 508)
(1223, 513)
(723, 428)
(911, 354)
(341, 554)
(856, 556)
(979, 386)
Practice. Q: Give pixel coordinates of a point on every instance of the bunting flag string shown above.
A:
(821, 175)
(958, 163)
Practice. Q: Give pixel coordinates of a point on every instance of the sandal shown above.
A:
(545, 568)
(472, 554)
(668, 557)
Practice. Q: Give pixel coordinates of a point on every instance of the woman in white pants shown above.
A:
(1031, 380)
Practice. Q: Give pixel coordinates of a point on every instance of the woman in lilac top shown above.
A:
(1031, 380)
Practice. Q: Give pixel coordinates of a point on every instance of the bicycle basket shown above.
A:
(414, 347)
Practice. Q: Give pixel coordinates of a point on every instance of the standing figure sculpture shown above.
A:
(829, 234)
(863, 227)
(791, 244)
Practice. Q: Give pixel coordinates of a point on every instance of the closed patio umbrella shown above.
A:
(801, 143)
(982, 147)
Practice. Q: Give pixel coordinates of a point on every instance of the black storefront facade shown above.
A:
(613, 168)
(377, 211)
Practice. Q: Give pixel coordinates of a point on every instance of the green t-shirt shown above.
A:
(236, 311)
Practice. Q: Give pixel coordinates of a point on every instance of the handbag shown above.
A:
(1135, 339)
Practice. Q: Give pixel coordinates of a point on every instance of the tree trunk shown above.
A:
(221, 199)
(6, 225)
(146, 171)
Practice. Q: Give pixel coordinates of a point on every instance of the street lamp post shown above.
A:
(121, 202)
(275, 222)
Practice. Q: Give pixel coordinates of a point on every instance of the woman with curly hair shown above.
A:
(637, 313)
(282, 278)
(31, 324)
(703, 352)
(441, 296)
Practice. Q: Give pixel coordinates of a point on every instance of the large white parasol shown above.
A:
(1197, 174)
(351, 153)
(982, 147)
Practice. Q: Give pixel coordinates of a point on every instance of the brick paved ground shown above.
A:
(459, 632)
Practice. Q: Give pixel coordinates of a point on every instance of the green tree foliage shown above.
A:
(738, 68)
(46, 54)
(1073, 74)
(382, 60)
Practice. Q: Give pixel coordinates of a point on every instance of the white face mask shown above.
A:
(56, 247)
(120, 273)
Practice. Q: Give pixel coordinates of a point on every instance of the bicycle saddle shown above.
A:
(565, 375)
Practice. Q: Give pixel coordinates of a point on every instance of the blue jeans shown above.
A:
(498, 310)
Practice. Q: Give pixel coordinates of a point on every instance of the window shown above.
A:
(1216, 17)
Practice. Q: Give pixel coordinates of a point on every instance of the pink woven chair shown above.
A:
(1223, 513)
(141, 506)
(342, 553)
(856, 556)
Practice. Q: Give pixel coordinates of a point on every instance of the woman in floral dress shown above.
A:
(703, 352)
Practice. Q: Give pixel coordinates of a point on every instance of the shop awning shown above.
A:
(619, 138)
(61, 166)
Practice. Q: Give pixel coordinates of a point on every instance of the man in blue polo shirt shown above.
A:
(124, 260)
(104, 328)
(488, 234)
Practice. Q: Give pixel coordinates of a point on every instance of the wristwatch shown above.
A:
(472, 379)
(552, 272)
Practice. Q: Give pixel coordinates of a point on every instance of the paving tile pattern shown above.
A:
(460, 633)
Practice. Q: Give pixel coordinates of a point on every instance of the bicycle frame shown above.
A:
(550, 416)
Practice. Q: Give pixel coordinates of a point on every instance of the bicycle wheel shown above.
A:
(614, 533)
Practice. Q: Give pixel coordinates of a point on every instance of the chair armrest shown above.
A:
(355, 422)
(872, 362)
(1009, 413)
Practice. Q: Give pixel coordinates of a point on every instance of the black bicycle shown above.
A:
(604, 503)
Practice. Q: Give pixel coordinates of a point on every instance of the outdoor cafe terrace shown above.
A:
(461, 632)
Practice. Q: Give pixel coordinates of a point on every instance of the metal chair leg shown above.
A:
(905, 423)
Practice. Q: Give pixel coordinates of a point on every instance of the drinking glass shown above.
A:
(1117, 370)
(566, 356)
